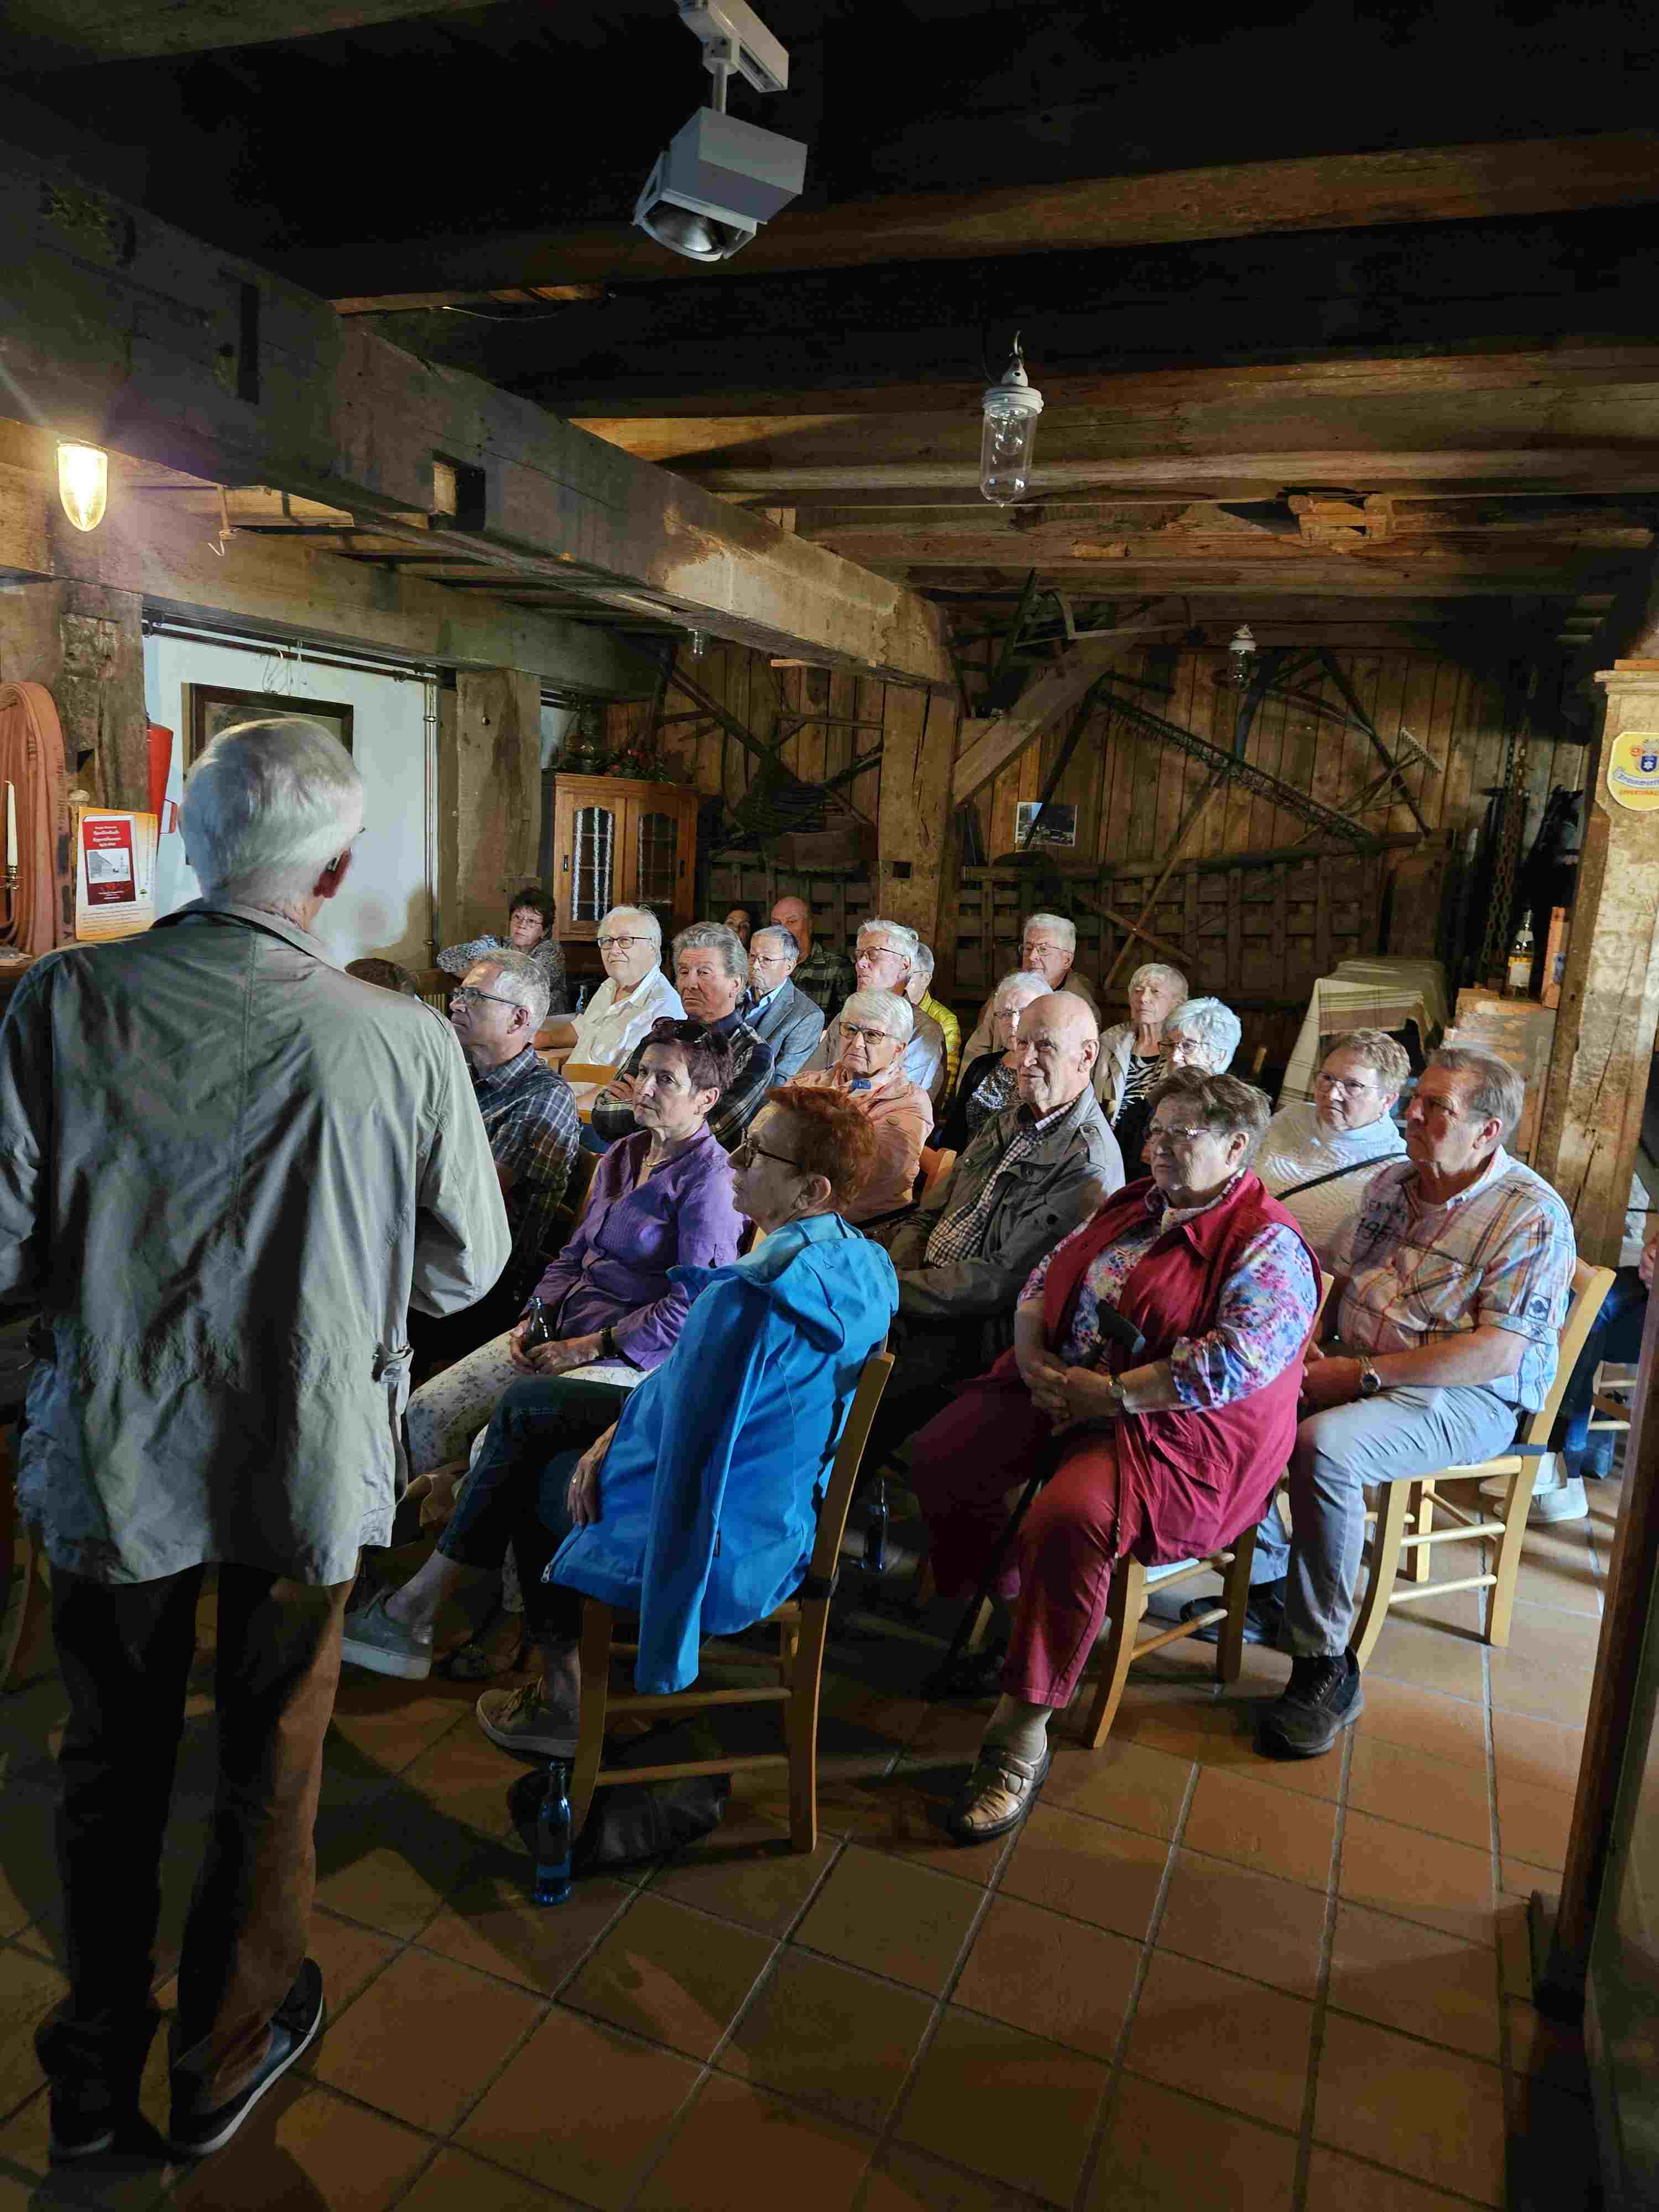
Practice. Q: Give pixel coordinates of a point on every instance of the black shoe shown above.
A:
(1264, 1615)
(83, 2117)
(1322, 1697)
(294, 2025)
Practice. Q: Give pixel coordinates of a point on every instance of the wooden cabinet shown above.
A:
(620, 842)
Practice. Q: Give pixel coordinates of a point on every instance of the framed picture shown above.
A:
(211, 707)
(1057, 827)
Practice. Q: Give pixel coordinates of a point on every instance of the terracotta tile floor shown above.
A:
(1193, 1979)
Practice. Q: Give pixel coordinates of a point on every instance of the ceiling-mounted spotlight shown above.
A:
(1012, 409)
(722, 177)
(1242, 656)
(83, 481)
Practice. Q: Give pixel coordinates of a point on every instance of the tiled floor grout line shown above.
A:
(1304, 2137)
(1143, 1967)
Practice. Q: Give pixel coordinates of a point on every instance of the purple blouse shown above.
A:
(614, 1270)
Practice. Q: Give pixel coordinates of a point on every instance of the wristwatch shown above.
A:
(1369, 1381)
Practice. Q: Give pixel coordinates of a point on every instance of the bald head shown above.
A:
(796, 916)
(1055, 1047)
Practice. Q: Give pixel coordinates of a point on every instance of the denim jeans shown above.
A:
(1616, 1334)
(1392, 1437)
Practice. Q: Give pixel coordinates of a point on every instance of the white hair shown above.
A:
(1062, 925)
(522, 980)
(1025, 982)
(883, 1010)
(267, 806)
(906, 940)
(1158, 971)
(717, 937)
(922, 964)
(788, 944)
(653, 927)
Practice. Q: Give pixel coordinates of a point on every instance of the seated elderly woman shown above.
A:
(1132, 1053)
(989, 1083)
(530, 918)
(660, 1201)
(875, 1027)
(1200, 1033)
(697, 1508)
(1166, 1458)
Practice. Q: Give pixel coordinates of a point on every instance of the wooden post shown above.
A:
(915, 820)
(490, 800)
(1590, 1121)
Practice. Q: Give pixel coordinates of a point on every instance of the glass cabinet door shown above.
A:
(593, 867)
(658, 860)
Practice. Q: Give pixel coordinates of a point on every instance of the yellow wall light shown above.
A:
(82, 482)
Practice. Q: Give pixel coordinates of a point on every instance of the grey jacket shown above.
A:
(792, 1026)
(226, 1170)
(1042, 1198)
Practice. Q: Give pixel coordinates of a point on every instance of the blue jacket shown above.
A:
(708, 1508)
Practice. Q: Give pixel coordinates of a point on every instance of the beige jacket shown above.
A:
(226, 1170)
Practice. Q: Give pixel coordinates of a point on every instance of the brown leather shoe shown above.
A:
(1001, 1792)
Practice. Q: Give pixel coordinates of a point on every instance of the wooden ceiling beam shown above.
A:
(1345, 191)
(59, 33)
(124, 329)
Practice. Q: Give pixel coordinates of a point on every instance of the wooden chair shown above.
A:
(1131, 1586)
(802, 1623)
(1420, 1504)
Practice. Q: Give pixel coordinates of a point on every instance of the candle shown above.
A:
(11, 827)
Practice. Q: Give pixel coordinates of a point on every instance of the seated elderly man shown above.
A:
(1047, 947)
(919, 991)
(1033, 1172)
(1132, 1053)
(1200, 1034)
(988, 1084)
(885, 957)
(529, 1119)
(635, 993)
(711, 973)
(1452, 1283)
(778, 1013)
(529, 930)
(875, 1027)
(824, 976)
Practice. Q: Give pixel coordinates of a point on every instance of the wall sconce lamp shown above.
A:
(1012, 409)
(82, 482)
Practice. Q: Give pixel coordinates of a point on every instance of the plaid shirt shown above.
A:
(549, 956)
(737, 1105)
(825, 976)
(529, 1119)
(1500, 1254)
(958, 1233)
(952, 1031)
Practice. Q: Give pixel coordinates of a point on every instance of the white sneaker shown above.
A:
(1556, 1496)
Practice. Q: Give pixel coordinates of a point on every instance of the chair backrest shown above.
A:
(935, 1166)
(838, 1498)
(586, 1070)
(1589, 1286)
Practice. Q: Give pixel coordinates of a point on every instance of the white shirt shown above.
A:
(606, 1032)
(1298, 1145)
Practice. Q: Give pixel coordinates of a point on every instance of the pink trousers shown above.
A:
(988, 1441)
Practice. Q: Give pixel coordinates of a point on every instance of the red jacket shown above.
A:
(1192, 1479)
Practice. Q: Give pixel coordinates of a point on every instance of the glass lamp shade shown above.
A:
(1005, 442)
(83, 483)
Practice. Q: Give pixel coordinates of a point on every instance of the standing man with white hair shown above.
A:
(884, 959)
(226, 1170)
(635, 993)
(1047, 947)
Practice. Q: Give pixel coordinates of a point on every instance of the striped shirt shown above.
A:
(529, 1119)
(1499, 1254)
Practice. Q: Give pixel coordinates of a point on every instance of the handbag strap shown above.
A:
(1329, 1176)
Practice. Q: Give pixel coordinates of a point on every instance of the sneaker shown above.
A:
(1322, 1698)
(373, 1639)
(1558, 1494)
(1264, 1615)
(522, 1722)
(293, 2026)
(83, 2118)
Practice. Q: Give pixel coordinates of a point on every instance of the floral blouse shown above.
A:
(1263, 1319)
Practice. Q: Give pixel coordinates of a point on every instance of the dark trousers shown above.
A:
(126, 1650)
(932, 1359)
(1615, 1335)
(515, 1493)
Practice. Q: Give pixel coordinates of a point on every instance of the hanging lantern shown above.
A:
(1242, 656)
(82, 482)
(1012, 409)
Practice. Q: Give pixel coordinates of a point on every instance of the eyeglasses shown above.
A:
(1171, 1135)
(749, 1150)
(468, 995)
(615, 943)
(869, 1036)
(1350, 1086)
(772, 959)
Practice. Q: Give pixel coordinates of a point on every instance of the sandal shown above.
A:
(1001, 1783)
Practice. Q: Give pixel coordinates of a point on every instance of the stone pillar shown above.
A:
(1591, 1122)
(490, 799)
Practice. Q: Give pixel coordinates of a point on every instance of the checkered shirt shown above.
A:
(958, 1233)
(529, 1119)
(1499, 1254)
(826, 977)
(737, 1105)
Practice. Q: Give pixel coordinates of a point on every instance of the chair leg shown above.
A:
(1391, 1516)
(597, 1622)
(1128, 1602)
(1506, 1560)
(1236, 1587)
(802, 1725)
(1422, 1524)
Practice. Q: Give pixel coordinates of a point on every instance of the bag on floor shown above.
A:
(630, 1822)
